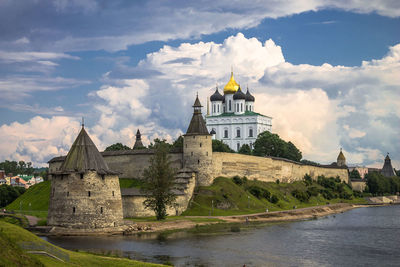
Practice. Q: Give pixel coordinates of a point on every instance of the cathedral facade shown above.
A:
(233, 119)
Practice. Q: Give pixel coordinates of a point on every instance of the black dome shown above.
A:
(212, 132)
(249, 97)
(239, 95)
(216, 96)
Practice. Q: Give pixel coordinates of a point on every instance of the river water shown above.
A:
(360, 237)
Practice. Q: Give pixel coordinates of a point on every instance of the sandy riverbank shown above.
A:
(182, 224)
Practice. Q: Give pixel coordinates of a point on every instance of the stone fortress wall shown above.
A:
(269, 169)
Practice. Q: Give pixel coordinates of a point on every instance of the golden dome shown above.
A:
(232, 86)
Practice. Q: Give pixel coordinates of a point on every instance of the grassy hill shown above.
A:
(225, 197)
(34, 201)
(11, 253)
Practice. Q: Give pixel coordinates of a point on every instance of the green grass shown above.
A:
(129, 183)
(12, 255)
(224, 190)
(37, 196)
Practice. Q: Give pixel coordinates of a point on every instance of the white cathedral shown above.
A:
(233, 119)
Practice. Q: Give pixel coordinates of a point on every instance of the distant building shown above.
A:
(233, 119)
(387, 169)
(341, 160)
(138, 143)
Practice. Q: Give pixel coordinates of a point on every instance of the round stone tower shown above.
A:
(84, 192)
(197, 147)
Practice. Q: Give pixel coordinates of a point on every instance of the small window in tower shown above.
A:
(73, 209)
(225, 133)
(191, 153)
(81, 175)
(230, 105)
(198, 161)
(62, 176)
(67, 194)
(102, 176)
(113, 193)
(88, 193)
(224, 109)
(250, 132)
(218, 108)
(237, 132)
(241, 107)
(207, 153)
(101, 210)
(200, 144)
(194, 137)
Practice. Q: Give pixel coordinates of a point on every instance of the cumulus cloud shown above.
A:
(319, 108)
(38, 140)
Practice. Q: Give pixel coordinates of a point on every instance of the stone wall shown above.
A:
(129, 163)
(90, 201)
(133, 204)
(269, 169)
(358, 185)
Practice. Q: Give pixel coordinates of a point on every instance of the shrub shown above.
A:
(277, 181)
(274, 199)
(266, 194)
(237, 180)
(328, 194)
(307, 179)
(313, 191)
(255, 191)
(300, 195)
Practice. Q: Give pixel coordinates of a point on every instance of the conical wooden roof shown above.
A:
(84, 156)
(197, 124)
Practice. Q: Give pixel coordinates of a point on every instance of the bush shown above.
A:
(255, 191)
(300, 195)
(277, 181)
(237, 180)
(266, 194)
(313, 191)
(328, 194)
(307, 180)
(274, 199)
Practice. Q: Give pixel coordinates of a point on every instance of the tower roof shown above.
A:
(216, 96)
(84, 156)
(239, 95)
(341, 156)
(232, 86)
(138, 143)
(197, 124)
(249, 97)
(387, 169)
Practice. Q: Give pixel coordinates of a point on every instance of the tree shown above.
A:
(269, 144)
(178, 143)
(158, 141)
(8, 194)
(219, 146)
(117, 146)
(355, 175)
(245, 149)
(159, 180)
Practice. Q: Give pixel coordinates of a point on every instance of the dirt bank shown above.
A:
(149, 227)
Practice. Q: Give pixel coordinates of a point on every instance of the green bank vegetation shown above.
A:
(12, 254)
(242, 196)
(35, 201)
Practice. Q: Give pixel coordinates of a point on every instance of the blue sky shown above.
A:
(326, 71)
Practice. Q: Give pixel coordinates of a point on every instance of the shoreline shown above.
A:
(133, 228)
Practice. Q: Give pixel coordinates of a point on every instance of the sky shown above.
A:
(327, 72)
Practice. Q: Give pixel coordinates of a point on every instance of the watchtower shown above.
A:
(197, 146)
(84, 192)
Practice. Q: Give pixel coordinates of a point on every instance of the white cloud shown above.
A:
(10, 57)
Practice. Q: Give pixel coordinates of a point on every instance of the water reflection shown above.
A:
(360, 237)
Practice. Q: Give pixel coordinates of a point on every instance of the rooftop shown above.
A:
(246, 113)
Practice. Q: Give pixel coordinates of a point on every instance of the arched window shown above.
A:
(247, 107)
(241, 107)
(218, 108)
(230, 105)
(251, 132)
(237, 132)
(226, 133)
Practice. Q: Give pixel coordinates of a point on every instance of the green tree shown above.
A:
(219, 146)
(159, 180)
(9, 193)
(178, 143)
(269, 144)
(117, 146)
(158, 141)
(354, 174)
(245, 149)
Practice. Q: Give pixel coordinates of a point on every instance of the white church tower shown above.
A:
(233, 119)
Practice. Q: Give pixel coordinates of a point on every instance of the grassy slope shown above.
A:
(12, 255)
(242, 202)
(38, 196)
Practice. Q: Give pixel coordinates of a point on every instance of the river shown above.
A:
(359, 237)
